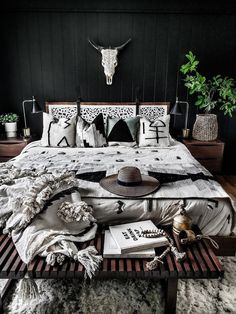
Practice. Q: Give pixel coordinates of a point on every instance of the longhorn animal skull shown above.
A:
(109, 58)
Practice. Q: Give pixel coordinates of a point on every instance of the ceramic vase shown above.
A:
(11, 129)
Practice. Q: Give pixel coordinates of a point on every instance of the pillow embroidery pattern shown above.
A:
(122, 132)
(58, 132)
(154, 133)
(90, 135)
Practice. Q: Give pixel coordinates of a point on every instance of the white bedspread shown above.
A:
(182, 179)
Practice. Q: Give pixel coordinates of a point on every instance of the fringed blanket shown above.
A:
(45, 216)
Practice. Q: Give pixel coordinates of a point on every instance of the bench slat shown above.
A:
(15, 267)
(196, 270)
(39, 268)
(7, 254)
(199, 259)
(3, 247)
(171, 268)
(137, 265)
(62, 272)
(46, 271)
(121, 265)
(11, 259)
(211, 267)
(113, 265)
(22, 270)
(32, 267)
(214, 258)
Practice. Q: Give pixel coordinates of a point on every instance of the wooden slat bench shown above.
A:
(201, 262)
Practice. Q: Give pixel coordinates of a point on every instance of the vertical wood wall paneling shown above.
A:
(58, 57)
(80, 55)
(183, 46)
(125, 57)
(115, 39)
(10, 73)
(47, 56)
(138, 60)
(69, 57)
(104, 40)
(35, 62)
(161, 62)
(92, 55)
(24, 54)
(171, 66)
(149, 58)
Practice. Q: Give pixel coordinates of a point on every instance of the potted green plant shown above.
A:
(9, 120)
(215, 93)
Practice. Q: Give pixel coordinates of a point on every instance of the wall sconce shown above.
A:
(177, 111)
(35, 109)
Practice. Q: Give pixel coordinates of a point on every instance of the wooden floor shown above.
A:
(228, 183)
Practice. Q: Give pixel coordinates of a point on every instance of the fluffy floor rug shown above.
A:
(130, 297)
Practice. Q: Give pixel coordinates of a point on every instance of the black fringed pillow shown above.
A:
(122, 132)
(90, 134)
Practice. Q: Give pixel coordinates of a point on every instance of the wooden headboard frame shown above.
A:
(89, 110)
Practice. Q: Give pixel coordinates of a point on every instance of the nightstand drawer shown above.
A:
(201, 151)
(209, 154)
(11, 150)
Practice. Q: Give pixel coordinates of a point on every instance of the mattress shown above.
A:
(183, 180)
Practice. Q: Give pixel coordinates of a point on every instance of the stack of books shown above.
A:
(126, 241)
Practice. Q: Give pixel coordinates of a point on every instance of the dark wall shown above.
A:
(44, 51)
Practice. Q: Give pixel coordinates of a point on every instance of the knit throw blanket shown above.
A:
(45, 216)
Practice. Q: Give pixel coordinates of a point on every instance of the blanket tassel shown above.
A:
(89, 259)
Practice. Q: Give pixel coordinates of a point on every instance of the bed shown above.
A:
(184, 181)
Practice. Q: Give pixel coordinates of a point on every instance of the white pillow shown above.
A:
(58, 132)
(154, 133)
(91, 134)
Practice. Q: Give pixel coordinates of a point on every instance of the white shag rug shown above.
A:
(131, 296)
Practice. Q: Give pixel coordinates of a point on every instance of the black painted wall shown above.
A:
(44, 52)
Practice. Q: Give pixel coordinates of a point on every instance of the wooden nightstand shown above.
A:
(11, 147)
(209, 154)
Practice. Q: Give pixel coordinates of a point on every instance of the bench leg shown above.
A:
(171, 295)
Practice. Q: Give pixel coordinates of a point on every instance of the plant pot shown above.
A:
(11, 129)
(205, 127)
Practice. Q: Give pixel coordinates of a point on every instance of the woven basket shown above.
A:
(205, 127)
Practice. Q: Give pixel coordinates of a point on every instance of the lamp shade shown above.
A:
(176, 110)
(35, 106)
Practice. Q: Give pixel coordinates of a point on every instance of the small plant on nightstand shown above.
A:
(9, 120)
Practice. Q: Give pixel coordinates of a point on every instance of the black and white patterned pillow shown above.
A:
(90, 135)
(58, 132)
(122, 131)
(154, 133)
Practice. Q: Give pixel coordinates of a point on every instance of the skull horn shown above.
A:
(97, 47)
(122, 46)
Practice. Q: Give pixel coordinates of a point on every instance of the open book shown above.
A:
(128, 236)
(111, 250)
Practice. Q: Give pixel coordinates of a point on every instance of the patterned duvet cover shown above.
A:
(182, 178)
